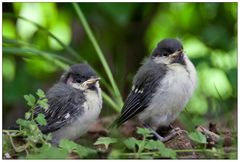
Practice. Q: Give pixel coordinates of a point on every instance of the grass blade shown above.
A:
(32, 49)
(110, 102)
(68, 48)
(35, 52)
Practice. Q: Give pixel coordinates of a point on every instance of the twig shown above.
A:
(208, 133)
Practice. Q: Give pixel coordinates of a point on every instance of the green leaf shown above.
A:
(47, 152)
(197, 137)
(40, 93)
(30, 100)
(67, 145)
(85, 152)
(48, 137)
(144, 131)
(27, 115)
(71, 146)
(167, 152)
(154, 145)
(24, 123)
(43, 103)
(33, 127)
(41, 119)
(106, 141)
(131, 143)
(114, 154)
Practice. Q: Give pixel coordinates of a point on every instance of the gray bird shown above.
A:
(161, 88)
(74, 102)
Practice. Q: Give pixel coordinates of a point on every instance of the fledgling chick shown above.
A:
(161, 88)
(74, 102)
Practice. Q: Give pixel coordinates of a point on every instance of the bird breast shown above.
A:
(92, 109)
(171, 96)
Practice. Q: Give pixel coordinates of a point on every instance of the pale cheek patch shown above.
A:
(79, 86)
(162, 60)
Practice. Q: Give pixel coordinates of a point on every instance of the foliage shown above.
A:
(106, 141)
(197, 137)
(143, 149)
(28, 127)
(35, 144)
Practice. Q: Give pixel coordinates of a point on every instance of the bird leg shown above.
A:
(159, 137)
(173, 133)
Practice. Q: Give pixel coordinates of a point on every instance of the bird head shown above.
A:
(169, 51)
(81, 76)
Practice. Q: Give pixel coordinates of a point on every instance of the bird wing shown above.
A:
(145, 83)
(65, 104)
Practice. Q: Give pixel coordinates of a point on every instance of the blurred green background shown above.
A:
(126, 33)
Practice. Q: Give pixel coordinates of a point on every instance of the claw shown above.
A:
(174, 132)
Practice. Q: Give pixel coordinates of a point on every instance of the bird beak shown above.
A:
(176, 54)
(178, 57)
(92, 80)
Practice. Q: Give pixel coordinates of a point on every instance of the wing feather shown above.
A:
(145, 83)
(65, 104)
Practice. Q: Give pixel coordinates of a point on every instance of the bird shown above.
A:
(161, 88)
(75, 103)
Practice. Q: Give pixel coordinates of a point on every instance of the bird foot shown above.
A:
(174, 132)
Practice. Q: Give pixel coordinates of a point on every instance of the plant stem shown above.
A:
(156, 152)
(14, 131)
(98, 50)
(141, 147)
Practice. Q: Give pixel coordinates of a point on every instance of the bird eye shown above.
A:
(165, 54)
(78, 80)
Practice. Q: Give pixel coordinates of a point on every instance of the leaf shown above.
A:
(43, 103)
(24, 123)
(144, 131)
(48, 136)
(41, 119)
(40, 93)
(27, 115)
(114, 154)
(71, 146)
(67, 145)
(197, 137)
(131, 143)
(167, 152)
(33, 127)
(30, 100)
(154, 145)
(84, 152)
(47, 152)
(106, 141)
